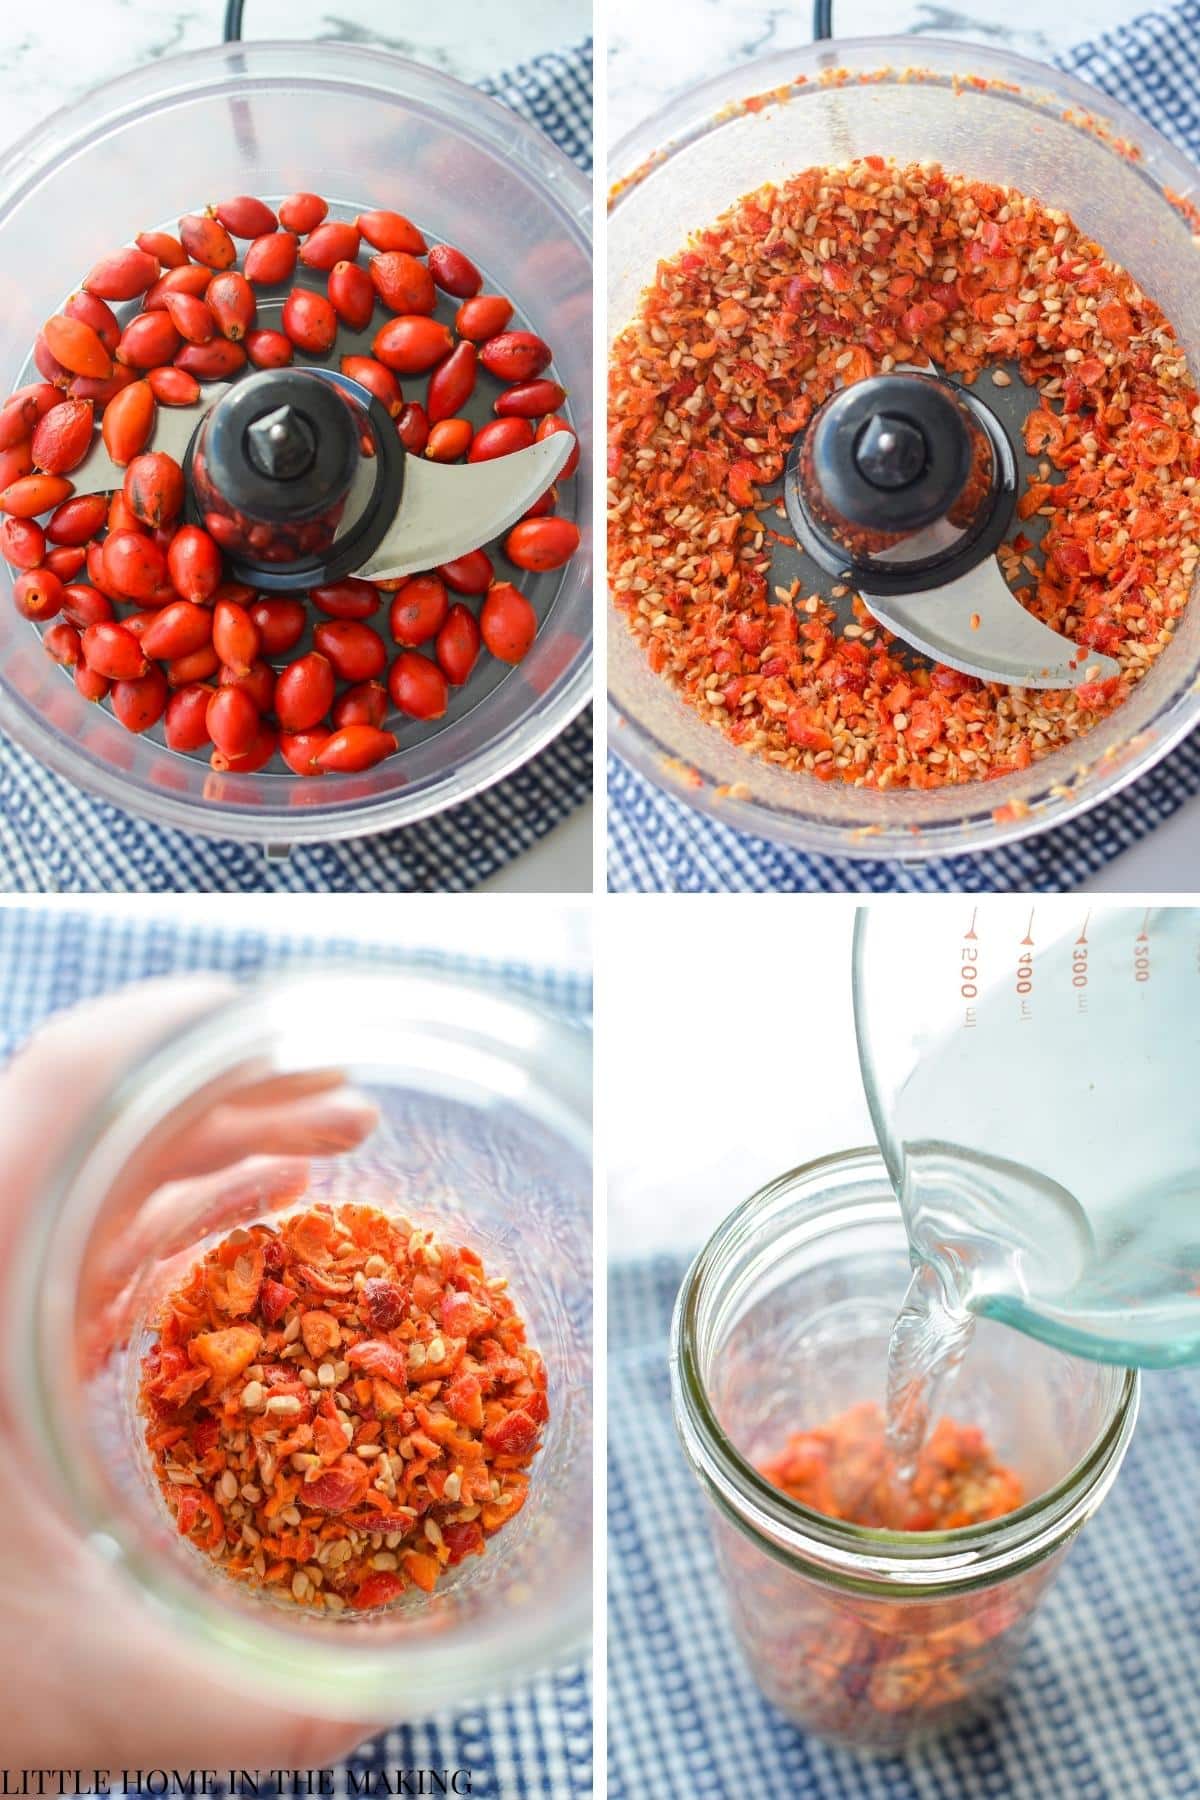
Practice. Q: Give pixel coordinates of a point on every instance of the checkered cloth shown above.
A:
(56, 838)
(658, 844)
(1103, 1703)
(536, 1741)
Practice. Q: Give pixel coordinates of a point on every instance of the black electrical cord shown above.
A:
(822, 19)
(243, 119)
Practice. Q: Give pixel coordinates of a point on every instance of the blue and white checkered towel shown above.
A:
(1103, 1705)
(535, 1743)
(657, 844)
(56, 838)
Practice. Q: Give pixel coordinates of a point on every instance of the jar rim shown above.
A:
(867, 1559)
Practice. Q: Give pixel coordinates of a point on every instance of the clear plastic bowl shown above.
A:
(365, 129)
(484, 1106)
(1048, 135)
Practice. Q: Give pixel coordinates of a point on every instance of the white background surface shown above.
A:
(726, 1040)
(49, 55)
(656, 50)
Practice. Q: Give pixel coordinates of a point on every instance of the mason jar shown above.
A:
(482, 1107)
(872, 1638)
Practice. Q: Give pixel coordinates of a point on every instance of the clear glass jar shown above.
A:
(871, 1638)
(483, 1118)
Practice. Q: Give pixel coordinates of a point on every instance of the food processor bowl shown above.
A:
(483, 1110)
(991, 116)
(366, 129)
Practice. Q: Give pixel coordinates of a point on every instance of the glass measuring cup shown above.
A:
(872, 1638)
(483, 1106)
(1029, 1067)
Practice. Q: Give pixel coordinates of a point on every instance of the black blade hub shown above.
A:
(271, 470)
(901, 483)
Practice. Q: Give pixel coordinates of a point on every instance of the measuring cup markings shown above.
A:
(973, 964)
(1036, 1112)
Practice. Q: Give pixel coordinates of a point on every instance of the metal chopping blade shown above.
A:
(447, 509)
(977, 625)
(174, 427)
(451, 508)
(974, 622)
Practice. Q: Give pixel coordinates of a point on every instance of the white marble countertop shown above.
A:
(655, 52)
(48, 59)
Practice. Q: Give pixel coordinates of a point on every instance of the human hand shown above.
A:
(96, 1679)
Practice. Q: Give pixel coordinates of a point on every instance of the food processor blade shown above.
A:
(174, 428)
(877, 487)
(976, 624)
(450, 509)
